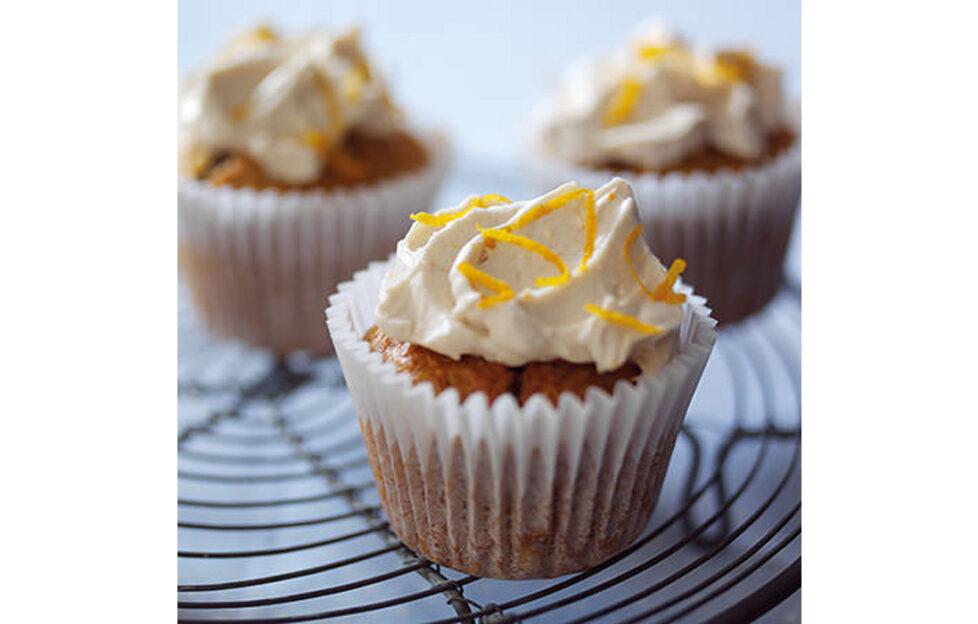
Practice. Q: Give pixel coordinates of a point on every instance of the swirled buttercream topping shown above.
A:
(286, 102)
(658, 102)
(562, 276)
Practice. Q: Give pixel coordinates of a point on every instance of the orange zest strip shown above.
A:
(495, 199)
(663, 292)
(439, 220)
(500, 289)
(534, 247)
(649, 52)
(542, 210)
(623, 102)
(590, 229)
(622, 319)
(444, 218)
(264, 33)
(729, 72)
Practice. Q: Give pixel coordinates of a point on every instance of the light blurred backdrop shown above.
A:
(479, 68)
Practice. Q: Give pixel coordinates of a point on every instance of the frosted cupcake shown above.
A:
(705, 140)
(295, 169)
(521, 371)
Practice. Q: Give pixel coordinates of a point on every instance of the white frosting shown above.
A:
(282, 101)
(682, 101)
(426, 300)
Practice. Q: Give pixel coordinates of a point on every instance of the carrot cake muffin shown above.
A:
(521, 371)
(705, 139)
(472, 373)
(295, 168)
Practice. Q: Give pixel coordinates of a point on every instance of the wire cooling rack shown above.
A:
(279, 520)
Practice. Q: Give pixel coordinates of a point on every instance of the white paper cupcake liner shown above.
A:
(732, 227)
(260, 264)
(508, 491)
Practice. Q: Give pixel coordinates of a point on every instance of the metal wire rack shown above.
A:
(279, 521)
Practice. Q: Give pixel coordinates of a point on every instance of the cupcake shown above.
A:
(706, 141)
(295, 169)
(520, 371)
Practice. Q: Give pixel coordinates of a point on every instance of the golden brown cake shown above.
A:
(359, 159)
(709, 159)
(473, 373)
(469, 374)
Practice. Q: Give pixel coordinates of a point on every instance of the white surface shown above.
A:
(480, 68)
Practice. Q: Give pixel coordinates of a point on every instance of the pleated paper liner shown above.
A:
(260, 264)
(507, 491)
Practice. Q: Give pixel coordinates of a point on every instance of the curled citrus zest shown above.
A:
(663, 291)
(500, 289)
(622, 319)
(542, 210)
(623, 102)
(445, 218)
(590, 229)
(729, 72)
(533, 246)
(264, 33)
(495, 199)
(649, 52)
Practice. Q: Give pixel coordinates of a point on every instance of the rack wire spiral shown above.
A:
(279, 520)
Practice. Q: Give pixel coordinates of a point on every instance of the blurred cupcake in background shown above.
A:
(709, 147)
(295, 169)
